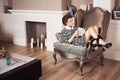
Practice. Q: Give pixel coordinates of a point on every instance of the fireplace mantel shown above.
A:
(36, 12)
(53, 20)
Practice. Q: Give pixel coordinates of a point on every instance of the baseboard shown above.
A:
(113, 54)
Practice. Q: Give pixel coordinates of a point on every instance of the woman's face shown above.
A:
(69, 22)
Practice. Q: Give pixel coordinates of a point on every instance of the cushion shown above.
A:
(69, 48)
(58, 36)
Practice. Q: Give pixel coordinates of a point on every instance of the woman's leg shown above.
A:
(94, 32)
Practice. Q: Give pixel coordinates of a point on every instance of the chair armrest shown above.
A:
(78, 50)
(58, 36)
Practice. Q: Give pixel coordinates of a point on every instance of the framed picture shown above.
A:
(116, 14)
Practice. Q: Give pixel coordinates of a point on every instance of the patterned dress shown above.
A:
(78, 41)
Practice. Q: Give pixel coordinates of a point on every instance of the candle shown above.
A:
(41, 45)
(31, 44)
(38, 42)
(32, 40)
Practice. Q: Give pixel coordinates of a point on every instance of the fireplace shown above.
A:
(51, 19)
(35, 30)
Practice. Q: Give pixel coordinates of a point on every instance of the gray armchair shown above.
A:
(96, 16)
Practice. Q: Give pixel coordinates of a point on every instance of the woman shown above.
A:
(72, 35)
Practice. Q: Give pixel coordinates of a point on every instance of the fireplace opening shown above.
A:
(36, 31)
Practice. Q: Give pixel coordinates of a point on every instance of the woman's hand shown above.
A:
(76, 33)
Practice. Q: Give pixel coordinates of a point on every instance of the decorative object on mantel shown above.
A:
(116, 13)
(89, 7)
(72, 9)
(83, 4)
(32, 44)
(7, 8)
(88, 3)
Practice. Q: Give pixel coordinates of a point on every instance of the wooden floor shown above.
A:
(68, 70)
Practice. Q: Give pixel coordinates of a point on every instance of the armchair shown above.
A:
(96, 16)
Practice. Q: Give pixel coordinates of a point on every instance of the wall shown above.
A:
(77, 3)
(7, 31)
(16, 22)
(40, 4)
(65, 4)
(105, 4)
(4, 3)
(117, 3)
(9, 2)
(1, 6)
(113, 37)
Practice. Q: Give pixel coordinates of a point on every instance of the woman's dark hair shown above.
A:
(65, 18)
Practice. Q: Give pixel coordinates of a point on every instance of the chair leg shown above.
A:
(81, 67)
(101, 60)
(54, 56)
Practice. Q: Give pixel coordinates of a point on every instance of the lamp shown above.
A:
(83, 4)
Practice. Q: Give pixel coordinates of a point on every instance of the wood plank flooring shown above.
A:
(67, 70)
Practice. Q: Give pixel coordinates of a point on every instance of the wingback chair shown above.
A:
(97, 17)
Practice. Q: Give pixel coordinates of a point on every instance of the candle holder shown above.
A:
(32, 43)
